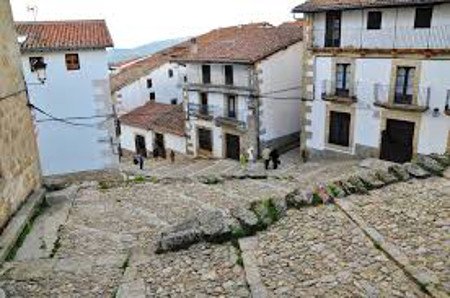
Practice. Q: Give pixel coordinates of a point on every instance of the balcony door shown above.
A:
(333, 29)
(404, 85)
(231, 106)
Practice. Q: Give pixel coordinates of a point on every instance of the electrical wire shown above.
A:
(12, 94)
(62, 120)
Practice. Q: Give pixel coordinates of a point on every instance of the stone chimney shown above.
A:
(194, 46)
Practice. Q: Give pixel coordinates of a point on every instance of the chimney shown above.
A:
(194, 46)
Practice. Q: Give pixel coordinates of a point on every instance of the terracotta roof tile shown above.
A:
(158, 117)
(64, 35)
(142, 67)
(324, 5)
(243, 44)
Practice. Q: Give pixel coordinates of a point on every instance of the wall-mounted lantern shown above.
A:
(38, 66)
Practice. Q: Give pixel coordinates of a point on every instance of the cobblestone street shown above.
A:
(106, 246)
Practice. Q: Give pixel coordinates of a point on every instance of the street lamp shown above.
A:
(39, 67)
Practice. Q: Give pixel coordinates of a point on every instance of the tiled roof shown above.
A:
(64, 35)
(158, 117)
(134, 71)
(324, 5)
(243, 44)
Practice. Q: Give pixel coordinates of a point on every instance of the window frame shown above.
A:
(174, 101)
(374, 20)
(421, 23)
(231, 103)
(204, 110)
(149, 83)
(229, 74)
(206, 74)
(71, 65)
(408, 84)
(345, 90)
(170, 73)
(152, 96)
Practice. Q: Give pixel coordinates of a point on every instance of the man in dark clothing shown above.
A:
(275, 156)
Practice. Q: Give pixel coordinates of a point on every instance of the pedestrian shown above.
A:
(243, 161)
(172, 156)
(275, 155)
(266, 157)
(251, 157)
(139, 160)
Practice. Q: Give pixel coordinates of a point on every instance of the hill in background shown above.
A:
(119, 55)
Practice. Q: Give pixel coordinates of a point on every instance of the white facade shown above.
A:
(165, 88)
(267, 102)
(397, 29)
(373, 77)
(66, 93)
(171, 141)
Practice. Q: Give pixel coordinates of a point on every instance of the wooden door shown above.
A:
(339, 129)
(159, 143)
(397, 141)
(140, 145)
(233, 148)
(205, 140)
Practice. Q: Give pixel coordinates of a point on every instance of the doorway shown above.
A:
(339, 129)
(397, 141)
(205, 141)
(140, 145)
(159, 145)
(233, 148)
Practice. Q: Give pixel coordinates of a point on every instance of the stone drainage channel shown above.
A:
(240, 224)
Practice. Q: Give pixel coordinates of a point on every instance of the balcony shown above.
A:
(437, 37)
(418, 103)
(222, 117)
(337, 95)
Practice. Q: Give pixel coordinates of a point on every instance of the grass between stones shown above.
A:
(26, 230)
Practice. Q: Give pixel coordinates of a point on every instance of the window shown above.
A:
(423, 17)
(333, 29)
(342, 80)
(170, 73)
(206, 74)
(374, 20)
(231, 106)
(229, 75)
(35, 61)
(149, 83)
(204, 103)
(72, 62)
(174, 101)
(185, 79)
(152, 96)
(404, 85)
(339, 129)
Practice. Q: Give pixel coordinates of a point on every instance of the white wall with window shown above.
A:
(77, 84)
(404, 27)
(164, 85)
(374, 81)
(217, 74)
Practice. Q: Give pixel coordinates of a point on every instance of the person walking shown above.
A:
(139, 160)
(266, 157)
(275, 155)
(172, 156)
(251, 157)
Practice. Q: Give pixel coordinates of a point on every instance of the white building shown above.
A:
(153, 129)
(378, 77)
(76, 85)
(153, 78)
(243, 89)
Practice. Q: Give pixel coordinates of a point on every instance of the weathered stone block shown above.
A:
(214, 225)
(386, 176)
(299, 200)
(400, 172)
(430, 165)
(247, 218)
(443, 159)
(358, 185)
(371, 181)
(416, 171)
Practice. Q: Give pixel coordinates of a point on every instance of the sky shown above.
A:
(136, 22)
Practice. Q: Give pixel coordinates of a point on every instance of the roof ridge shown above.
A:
(60, 21)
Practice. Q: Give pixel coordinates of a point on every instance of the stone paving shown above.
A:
(319, 252)
(414, 217)
(106, 246)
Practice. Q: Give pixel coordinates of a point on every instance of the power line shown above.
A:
(12, 94)
(60, 119)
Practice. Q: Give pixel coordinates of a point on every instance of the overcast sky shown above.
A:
(136, 22)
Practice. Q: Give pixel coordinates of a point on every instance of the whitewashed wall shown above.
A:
(241, 74)
(171, 142)
(137, 94)
(281, 71)
(85, 92)
(397, 29)
(433, 131)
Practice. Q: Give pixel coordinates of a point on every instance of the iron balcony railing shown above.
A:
(331, 92)
(437, 37)
(416, 99)
(220, 115)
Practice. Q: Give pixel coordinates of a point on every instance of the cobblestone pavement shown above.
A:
(415, 217)
(106, 246)
(319, 252)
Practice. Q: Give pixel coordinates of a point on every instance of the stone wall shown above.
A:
(19, 162)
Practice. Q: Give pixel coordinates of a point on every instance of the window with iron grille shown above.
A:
(72, 62)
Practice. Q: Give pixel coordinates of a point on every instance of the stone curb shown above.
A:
(18, 222)
(421, 277)
(248, 247)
